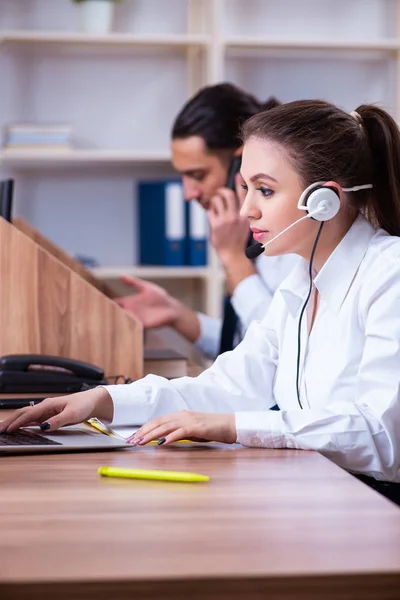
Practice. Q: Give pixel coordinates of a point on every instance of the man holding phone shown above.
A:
(206, 151)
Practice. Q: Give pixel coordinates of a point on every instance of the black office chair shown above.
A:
(6, 198)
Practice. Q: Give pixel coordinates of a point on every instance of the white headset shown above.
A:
(322, 202)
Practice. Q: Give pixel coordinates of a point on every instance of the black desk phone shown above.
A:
(41, 373)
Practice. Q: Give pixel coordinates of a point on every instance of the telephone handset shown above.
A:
(233, 171)
(41, 373)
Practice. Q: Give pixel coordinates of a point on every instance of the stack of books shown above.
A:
(24, 136)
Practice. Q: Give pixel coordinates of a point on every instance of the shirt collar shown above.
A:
(335, 278)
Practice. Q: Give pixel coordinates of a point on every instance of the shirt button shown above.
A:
(256, 441)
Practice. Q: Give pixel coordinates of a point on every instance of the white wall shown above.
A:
(346, 81)
(307, 19)
(136, 16)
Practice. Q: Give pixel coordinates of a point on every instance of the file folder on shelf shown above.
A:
(198, 234)
(162, 223)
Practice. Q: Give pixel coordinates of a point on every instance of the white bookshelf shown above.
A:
(113, 273)
(44, 159)
(255, 43)
(123, 40)
(121, 91)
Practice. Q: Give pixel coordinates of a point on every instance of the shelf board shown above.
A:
(112, 39)
(113, 273)
(292, 44)
(70, 158)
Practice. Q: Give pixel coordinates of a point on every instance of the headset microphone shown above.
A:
(321, 202)
(256, 249)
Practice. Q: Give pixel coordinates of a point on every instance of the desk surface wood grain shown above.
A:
(270, 523)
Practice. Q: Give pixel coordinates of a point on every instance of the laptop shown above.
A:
(31, 440)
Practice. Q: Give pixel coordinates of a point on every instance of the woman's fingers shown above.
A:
(150, 425)
(23, 416)
(152, 431)
(176, 435)
(51, 410)
(171, 432)
(4, 428)
(161, 427)
(64, 418)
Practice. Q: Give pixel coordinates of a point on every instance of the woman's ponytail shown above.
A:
(383, 140)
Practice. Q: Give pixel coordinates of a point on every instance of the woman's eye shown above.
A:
(244, 186)
(266, 192)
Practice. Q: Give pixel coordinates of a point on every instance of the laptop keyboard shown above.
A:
(25, 438)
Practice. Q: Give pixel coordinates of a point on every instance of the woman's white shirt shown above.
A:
(350, 365)
(251, 300)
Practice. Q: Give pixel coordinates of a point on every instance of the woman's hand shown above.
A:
(53, 413)
(187, 424)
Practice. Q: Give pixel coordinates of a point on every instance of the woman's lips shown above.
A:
(259, 235)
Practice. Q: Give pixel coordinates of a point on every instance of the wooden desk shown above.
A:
(274, 524)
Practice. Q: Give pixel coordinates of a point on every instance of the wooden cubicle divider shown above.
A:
(61, 255)
(50, 305)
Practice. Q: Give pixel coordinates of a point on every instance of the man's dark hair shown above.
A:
(216, 113)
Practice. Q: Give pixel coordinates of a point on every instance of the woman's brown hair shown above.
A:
(325, 143)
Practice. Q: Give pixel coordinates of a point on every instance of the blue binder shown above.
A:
(161, 223)
(197, 235)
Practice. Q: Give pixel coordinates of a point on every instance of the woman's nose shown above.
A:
(249, 208)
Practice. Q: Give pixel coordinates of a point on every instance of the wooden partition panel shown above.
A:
(47, 307)
(61, 255)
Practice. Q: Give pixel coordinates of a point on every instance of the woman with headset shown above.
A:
(325, 185)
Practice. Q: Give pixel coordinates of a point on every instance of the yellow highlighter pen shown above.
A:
(97, 424)
(94, 422)
(155, 475)
(176, 442)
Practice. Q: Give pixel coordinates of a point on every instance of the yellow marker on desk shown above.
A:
(155, 475)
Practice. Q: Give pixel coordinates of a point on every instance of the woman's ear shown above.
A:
(335, 186)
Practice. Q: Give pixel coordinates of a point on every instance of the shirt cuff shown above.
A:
(251, 299)
(261, 429)
(210, 333)
(129, 402)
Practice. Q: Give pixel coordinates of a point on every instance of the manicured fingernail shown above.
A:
(161, 441)
(134, 441)
(45, 426)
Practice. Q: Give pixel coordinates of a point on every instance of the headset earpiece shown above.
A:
(322, 202)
